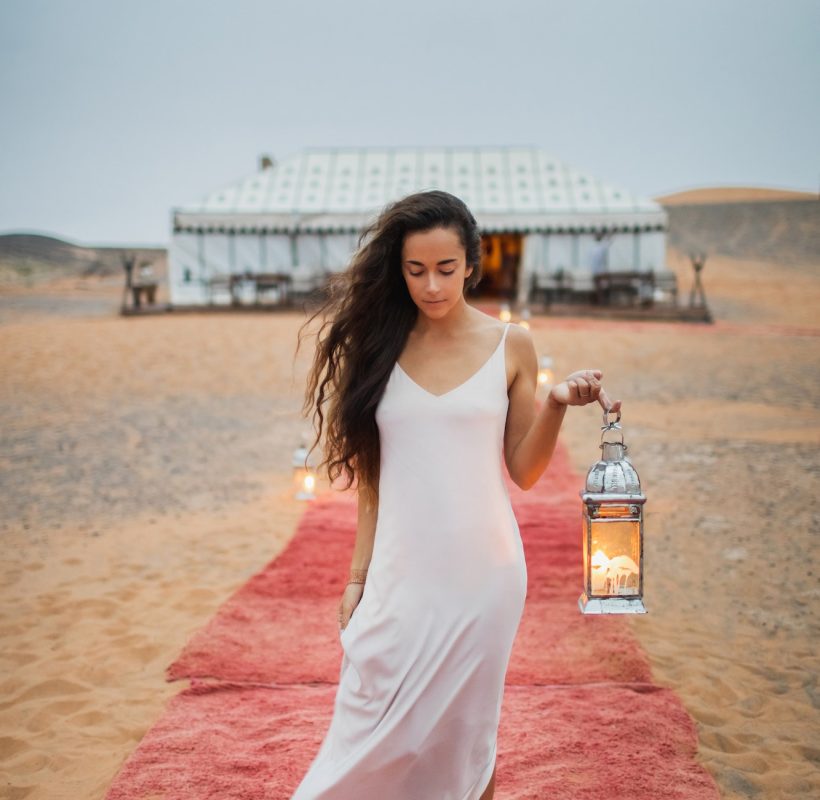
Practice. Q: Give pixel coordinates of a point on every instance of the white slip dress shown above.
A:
(426, 650)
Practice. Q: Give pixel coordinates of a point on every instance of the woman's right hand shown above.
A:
(580, 388)
(350, 599)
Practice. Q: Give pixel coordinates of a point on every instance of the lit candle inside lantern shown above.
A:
(599, 563)
(618, 575)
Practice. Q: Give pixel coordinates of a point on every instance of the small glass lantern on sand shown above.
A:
(612, 532)
(304, 475)
(545, 373)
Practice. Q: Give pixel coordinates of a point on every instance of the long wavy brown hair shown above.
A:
(366, 318)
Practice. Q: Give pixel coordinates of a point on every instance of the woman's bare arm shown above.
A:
(530, 437)
(362, 553)
(365, 529)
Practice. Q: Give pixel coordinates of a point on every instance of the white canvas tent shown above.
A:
(303, 216)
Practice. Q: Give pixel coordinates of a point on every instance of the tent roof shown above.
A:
(341, 184)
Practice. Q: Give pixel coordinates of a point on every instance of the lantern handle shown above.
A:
(609, 426)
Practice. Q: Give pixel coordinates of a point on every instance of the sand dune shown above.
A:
(731, 194)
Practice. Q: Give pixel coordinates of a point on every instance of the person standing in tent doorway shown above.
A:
(599, 256)
(421, 397)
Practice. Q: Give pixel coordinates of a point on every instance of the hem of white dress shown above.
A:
(484, 781)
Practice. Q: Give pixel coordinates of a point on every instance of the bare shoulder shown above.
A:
(522, 358)
(521, 342)
(486, 326)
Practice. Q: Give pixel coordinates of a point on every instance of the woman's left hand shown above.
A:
(581, 388)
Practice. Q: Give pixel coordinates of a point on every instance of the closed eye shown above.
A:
(443, 272)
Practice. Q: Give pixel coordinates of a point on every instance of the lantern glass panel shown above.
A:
(614, 557)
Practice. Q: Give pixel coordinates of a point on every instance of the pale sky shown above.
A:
(114, 112)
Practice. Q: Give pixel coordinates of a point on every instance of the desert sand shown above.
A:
(146, 476)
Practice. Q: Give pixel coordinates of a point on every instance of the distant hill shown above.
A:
(783, 231)
(31, 258)
(730, 194)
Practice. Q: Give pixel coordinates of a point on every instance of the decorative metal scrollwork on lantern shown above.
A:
(612, 531)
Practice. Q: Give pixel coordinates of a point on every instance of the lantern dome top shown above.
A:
(614, 473)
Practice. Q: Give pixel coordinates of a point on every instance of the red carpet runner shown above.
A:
(581, 718)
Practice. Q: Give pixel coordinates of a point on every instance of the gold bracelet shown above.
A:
(358, 575)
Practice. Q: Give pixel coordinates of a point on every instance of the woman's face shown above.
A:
(434, 268)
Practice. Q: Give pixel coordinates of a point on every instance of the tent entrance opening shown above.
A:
(500, 261)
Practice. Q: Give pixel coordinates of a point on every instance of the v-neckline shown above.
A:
(463, 383)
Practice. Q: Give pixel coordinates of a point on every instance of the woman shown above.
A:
(425, 396)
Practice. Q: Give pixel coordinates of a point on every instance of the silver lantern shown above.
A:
(612, 531)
